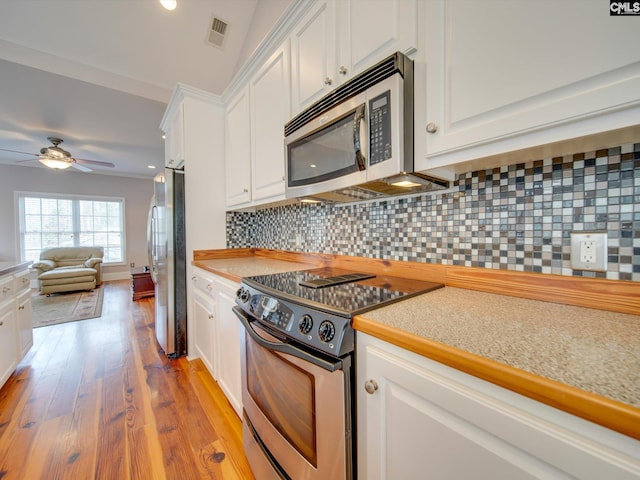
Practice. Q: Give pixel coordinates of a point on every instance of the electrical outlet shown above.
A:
(589, 251)
(132, 264)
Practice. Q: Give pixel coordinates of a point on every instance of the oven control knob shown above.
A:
(305, 324)
(242, 294)
(326, 331)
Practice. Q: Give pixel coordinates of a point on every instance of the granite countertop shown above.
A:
(7, 267)
(594, 350)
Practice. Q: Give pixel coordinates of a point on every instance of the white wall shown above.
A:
(136, 192)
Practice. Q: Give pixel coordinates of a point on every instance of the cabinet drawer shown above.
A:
(203, 284)
(21, 281)
(6, 288)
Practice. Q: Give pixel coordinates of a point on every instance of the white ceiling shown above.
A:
(98, 73)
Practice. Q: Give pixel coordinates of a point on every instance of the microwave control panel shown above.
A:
(380, 128)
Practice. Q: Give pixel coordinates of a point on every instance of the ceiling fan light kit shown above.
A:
(57, 164)
(169, 4)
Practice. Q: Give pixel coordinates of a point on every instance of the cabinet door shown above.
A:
(229, 335)
(8, 342)
(426, 420)
(498, 70)
(203, 330)
(174, 140)
(238, 150)
(370, 30)
(313, 58)
(24, 321)
(270, 90)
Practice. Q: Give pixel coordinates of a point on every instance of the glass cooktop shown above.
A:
(338, 291)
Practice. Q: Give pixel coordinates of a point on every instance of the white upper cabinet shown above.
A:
(313, 56)
(371, 30)
(270, 110)
(338, 39)
(238, 149)
(174, 139)
(502, 76)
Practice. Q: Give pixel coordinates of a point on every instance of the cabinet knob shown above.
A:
(1, 323)
(328, 81)
(210, 316)
(245, 190)
(342, 70)
(209, 287)
(21, 307)
(371, 386)
(432, 127)
(193, 278)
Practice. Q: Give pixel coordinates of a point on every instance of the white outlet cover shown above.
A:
(600, 241)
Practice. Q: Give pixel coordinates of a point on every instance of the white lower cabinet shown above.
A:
(229, 339)
(8, 343)
(426, 420)
(16, 321)
(24, 322)
(217, 333)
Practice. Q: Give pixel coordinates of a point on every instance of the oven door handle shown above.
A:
(285, 347)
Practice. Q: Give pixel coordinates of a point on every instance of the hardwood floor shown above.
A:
(98, 399)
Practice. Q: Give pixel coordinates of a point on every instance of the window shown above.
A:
(70, 221)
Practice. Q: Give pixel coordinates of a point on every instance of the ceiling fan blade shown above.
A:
(22, 153)
(82, 168)
(94, 162)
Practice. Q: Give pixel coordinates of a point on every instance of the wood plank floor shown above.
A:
(97, 399)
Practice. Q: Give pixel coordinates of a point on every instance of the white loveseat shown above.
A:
(66, 269)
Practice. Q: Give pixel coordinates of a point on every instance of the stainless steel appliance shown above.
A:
(167, 259)
(357, 142)
(297, 367)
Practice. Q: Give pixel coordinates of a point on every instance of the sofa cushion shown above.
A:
(71, 272)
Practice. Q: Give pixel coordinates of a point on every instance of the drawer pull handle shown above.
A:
(371, 386)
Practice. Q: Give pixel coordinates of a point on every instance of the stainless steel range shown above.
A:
(297, 375)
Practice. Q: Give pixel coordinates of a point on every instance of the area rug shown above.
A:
(66, 307)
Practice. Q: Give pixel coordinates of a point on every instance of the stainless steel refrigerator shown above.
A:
(167, 259)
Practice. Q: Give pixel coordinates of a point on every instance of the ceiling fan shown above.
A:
(59, 159)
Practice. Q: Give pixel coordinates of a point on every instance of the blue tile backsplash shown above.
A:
(516, 217)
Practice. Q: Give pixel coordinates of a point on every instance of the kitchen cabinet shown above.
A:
(419, 418)
(494, 77)
(238, 149)
(269, 93)
(229, 341)
(313, 56)
(174, 139)
(371, 30)
(8, 340)
(24, 313)
(204, 320)
(217, 332)
(339, 39)
(201, 115)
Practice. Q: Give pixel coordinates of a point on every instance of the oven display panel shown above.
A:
(270, 310)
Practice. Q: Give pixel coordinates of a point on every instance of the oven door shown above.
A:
(297, 414)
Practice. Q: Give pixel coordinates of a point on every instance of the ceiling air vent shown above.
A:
(217, 33)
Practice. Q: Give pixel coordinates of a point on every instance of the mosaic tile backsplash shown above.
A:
(517, 217)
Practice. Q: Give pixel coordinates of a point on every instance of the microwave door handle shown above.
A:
(357, 120)
(284, 347)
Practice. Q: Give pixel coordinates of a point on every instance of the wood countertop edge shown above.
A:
(608, 413)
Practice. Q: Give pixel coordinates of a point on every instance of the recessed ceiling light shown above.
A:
(169, 4)
(152, 167)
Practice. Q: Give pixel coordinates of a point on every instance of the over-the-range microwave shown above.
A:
(357, 142)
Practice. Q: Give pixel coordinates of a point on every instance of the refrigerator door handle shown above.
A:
(152, 229)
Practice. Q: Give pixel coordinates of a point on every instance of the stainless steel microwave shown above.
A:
(358, 138)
